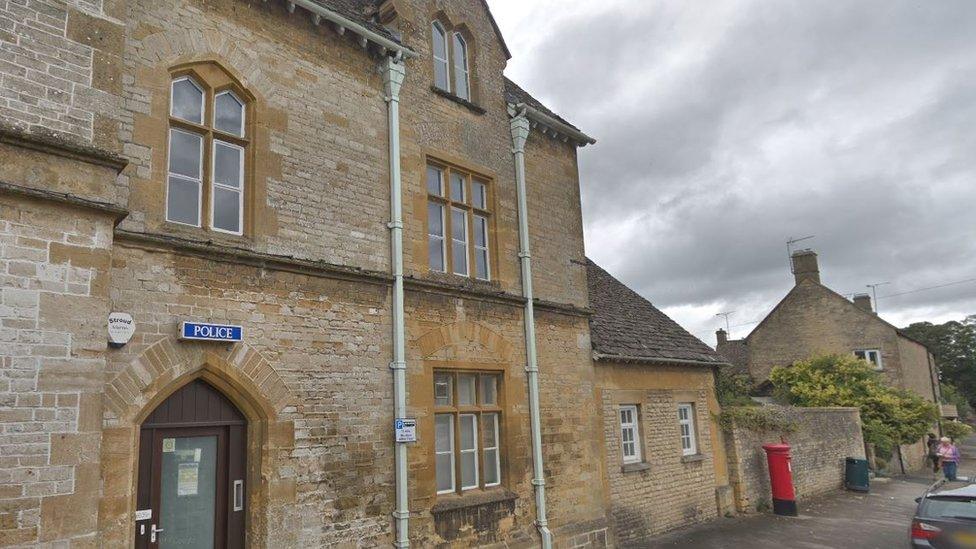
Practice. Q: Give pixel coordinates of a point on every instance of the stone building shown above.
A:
(664, 451)
(305, 219)
(814, 320)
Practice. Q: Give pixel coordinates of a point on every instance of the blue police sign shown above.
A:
(211, 332)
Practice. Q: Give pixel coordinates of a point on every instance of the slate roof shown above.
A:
(515, 94)
(624, 324)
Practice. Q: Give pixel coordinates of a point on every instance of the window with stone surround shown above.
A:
(207, 152)
(686, 424)
(630, 443)
(467, 427)
(451, 56)
(458, 222)
(441, 56)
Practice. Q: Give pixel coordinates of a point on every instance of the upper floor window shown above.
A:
(206, 161)
(467, 423)
(461, 84)
(458, 222)
(686, 424)
(454, 78)
(441, 61)
(872, 356)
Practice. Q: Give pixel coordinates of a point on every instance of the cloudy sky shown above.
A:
(725, 127)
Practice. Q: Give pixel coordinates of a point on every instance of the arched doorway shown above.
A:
(192, 451)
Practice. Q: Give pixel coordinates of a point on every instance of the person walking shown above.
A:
(933, 446)
(949, 457)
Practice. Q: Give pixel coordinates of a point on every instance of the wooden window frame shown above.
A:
(878, 366)
(634, 409)
(480, 411)
(470, 212)
(692, 429)
(210, 135)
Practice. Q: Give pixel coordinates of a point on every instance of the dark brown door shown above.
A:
(191, 472)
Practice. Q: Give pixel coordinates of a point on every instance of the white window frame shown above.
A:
(496, 448)
(467, 258)
(214, 186)
(461, 62)
(632, 426)
(438, 29)
(877, 353)
(243, 114)
(450, 452)
(169, 174)
(473, 450)
(689, 421)
(485, 248)
(203, 100)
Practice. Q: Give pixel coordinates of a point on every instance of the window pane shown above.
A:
(229, 114)
(227, 209)
(435, 253)
(489, 389)
(445, 472)
(491, 467)
(187, 101)
(443, 389)
(491, 430)
(435, 219)
(227, 164)
(444, 424)
(459, 225)
(460, 67)
(466, 389)
(469, 427)
(480, 231)
(185, 151)
(183, 201)
(469, 470)
(457, 187)
(460, 258)
(435, 181)
(480, 192)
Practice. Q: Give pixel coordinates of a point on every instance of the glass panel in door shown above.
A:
(188, 492)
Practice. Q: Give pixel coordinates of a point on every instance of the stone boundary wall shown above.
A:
(823, 438)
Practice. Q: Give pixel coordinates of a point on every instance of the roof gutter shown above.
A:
(647, 360)
(557, 126)
(342, 23)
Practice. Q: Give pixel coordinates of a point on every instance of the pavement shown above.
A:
(879, 519)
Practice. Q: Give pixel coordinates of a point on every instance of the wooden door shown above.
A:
(191, 472)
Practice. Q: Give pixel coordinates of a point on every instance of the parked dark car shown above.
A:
(946, 517)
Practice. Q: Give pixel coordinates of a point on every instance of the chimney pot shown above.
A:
(863, 302)
(805, 266)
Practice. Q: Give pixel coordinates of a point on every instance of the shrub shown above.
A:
(956, 430)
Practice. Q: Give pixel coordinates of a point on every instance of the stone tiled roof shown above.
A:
(515, 94)
(627, 326)
(360, 11)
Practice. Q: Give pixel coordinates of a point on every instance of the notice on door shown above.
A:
(188, 479)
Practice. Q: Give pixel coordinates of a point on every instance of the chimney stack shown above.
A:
(805, 266)
(863, 302)
(721, 337)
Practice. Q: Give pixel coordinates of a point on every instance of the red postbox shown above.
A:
(781, 478)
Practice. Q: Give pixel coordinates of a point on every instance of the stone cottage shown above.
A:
(814, 320)
(306, 273)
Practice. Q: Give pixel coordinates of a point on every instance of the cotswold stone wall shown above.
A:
(824, 437)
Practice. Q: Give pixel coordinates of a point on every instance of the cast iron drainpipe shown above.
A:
(393, 75)
(520, 133)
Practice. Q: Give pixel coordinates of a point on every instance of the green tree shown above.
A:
(954, 346)
(889, 416)
(951, 395)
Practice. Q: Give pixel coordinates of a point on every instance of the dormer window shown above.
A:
(441, 63)
(461, 84)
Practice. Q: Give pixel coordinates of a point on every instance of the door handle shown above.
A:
(152, 533)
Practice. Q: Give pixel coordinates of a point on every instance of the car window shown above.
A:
(936, 507)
